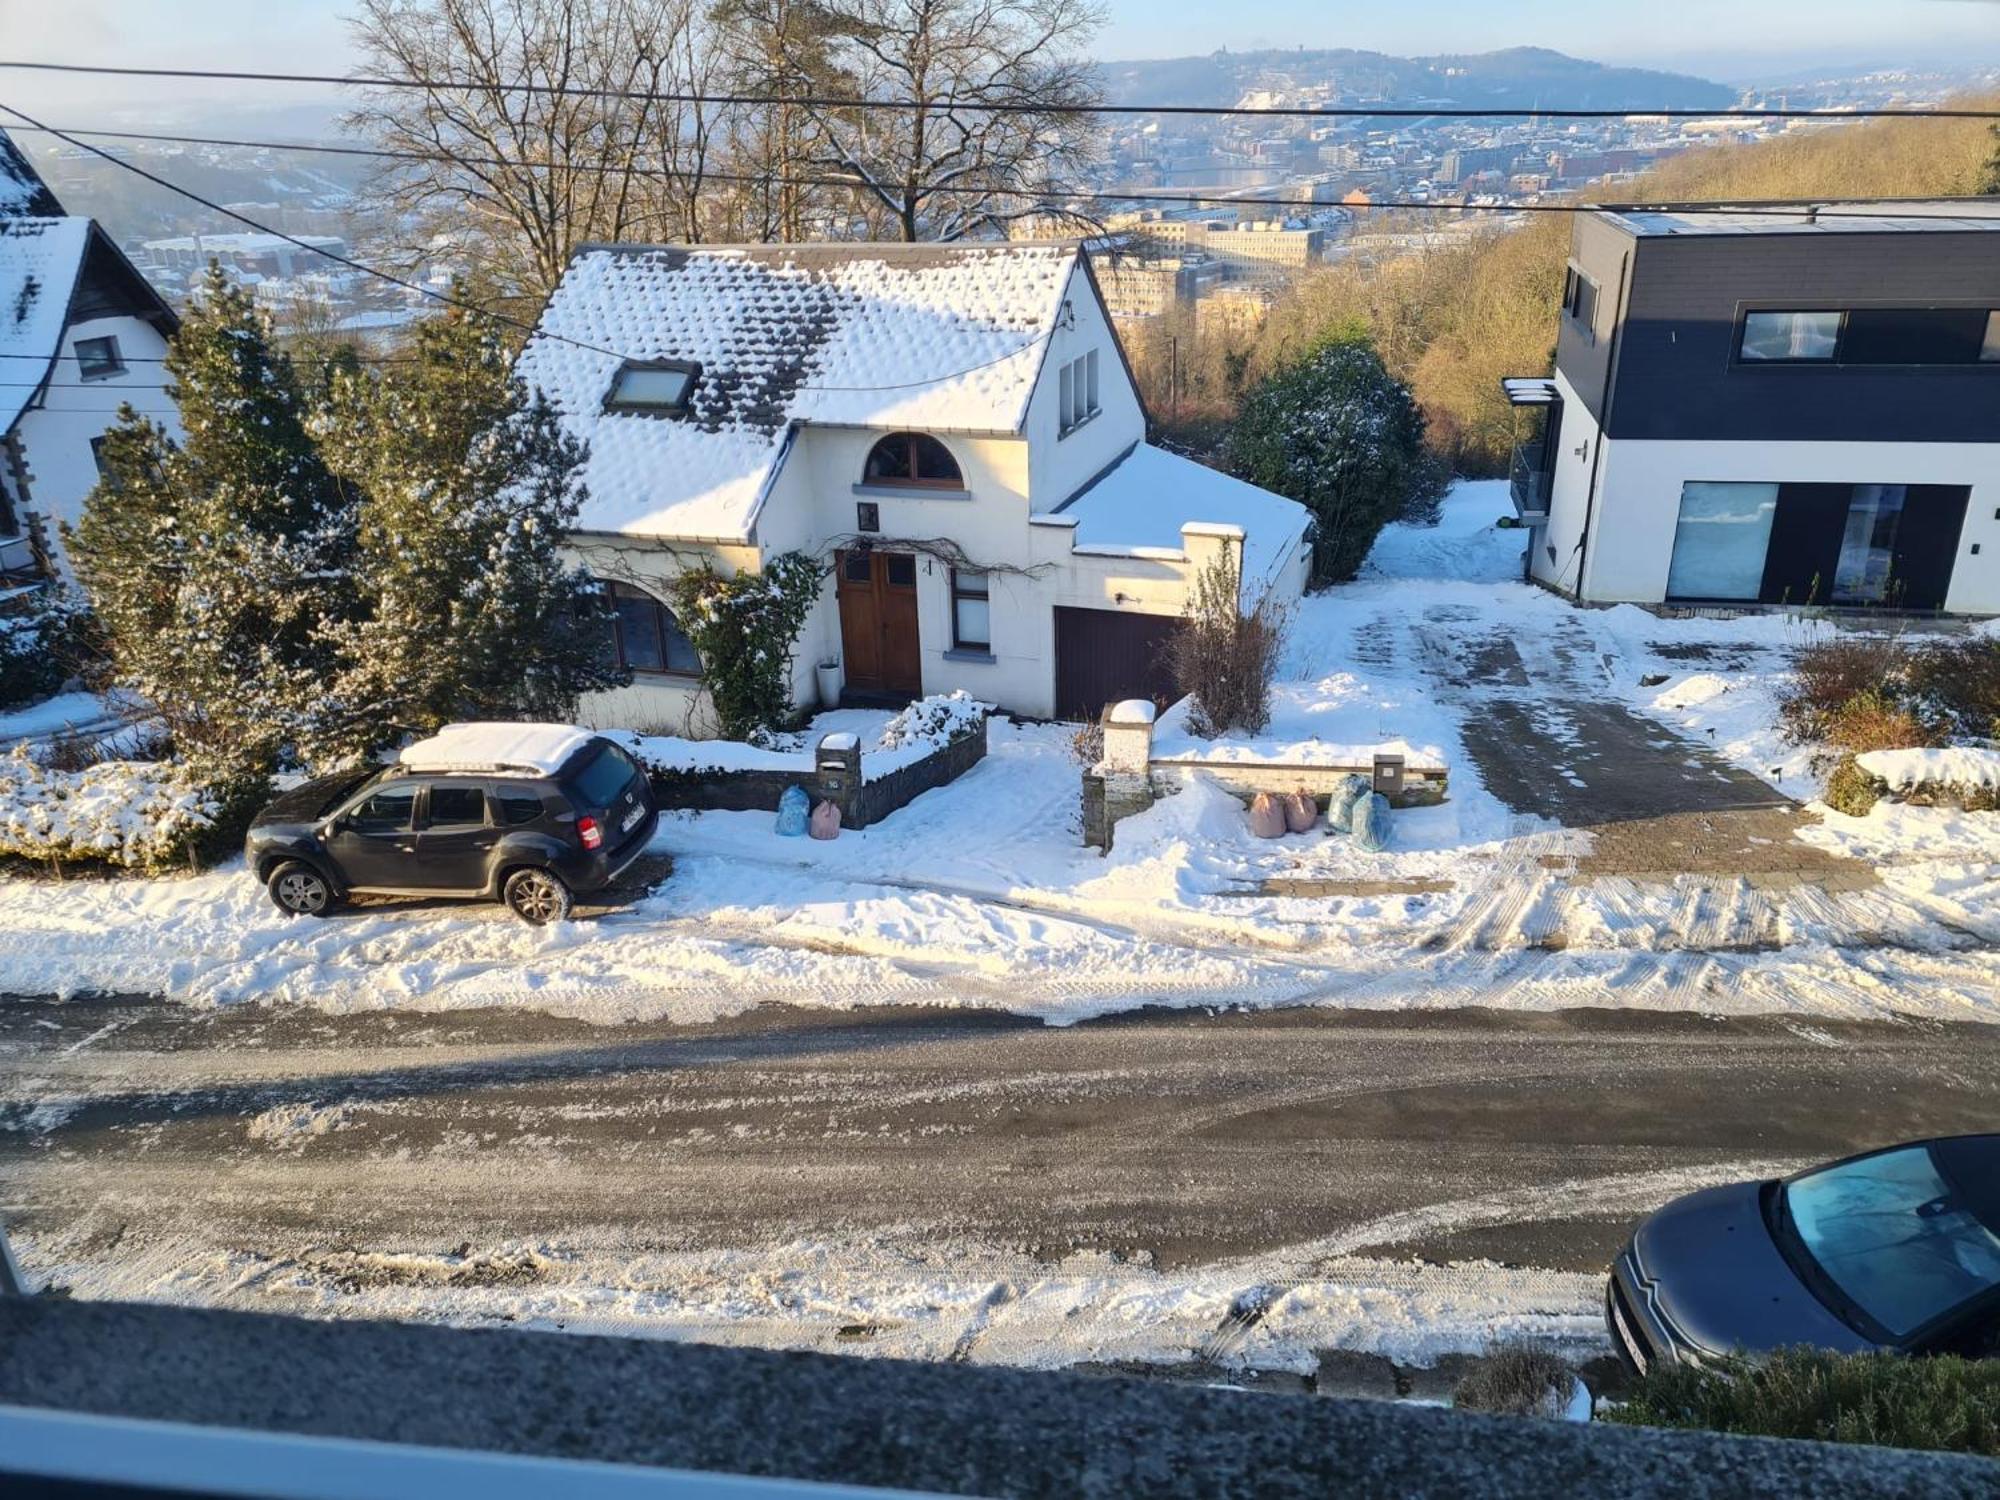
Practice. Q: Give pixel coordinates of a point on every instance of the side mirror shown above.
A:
(332, 826)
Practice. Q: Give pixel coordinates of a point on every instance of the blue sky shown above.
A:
(1729, 39)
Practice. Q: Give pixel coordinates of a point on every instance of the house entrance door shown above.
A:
(877, 592)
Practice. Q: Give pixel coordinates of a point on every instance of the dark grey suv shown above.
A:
(529, 814)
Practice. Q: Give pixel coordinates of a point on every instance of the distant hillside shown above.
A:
(1518, 78)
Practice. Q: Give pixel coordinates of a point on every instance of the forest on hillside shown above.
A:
(1452, 320)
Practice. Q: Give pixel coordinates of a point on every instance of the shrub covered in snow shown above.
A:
(127, 815)
(936, 720)
(42, 640)
(1222, 659)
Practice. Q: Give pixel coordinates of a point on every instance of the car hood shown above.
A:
(1710, 1266)
(310, 800)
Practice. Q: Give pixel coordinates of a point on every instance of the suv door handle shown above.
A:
(409, 848)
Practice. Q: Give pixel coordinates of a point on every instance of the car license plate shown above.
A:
(637, 812)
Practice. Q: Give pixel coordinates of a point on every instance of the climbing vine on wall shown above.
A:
(745, 628)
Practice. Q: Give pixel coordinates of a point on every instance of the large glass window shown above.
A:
(912, 458)
(1895, 1237)
(1721, 541)
(971, 610)
(1868, 544)
(646, 635)
(1782, 336)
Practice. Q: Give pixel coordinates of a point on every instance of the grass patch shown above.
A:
(1943, 1403)
(1517, 1380)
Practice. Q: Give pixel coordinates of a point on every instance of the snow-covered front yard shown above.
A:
(980, 894)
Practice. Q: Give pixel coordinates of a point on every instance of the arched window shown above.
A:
(912, 458)
(646, 635)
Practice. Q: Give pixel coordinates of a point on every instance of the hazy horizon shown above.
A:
(1774, 41)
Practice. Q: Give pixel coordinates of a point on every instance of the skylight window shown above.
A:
(658, 387)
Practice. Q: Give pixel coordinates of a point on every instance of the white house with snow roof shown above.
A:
(82, 333)
(952, 429)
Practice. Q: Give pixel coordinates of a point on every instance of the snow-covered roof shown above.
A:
(485, 747)
(22, 190)
(1139, 507)
(940, 337)
(39, 262)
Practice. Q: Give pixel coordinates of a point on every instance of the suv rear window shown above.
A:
(518, 807)
(602, 778)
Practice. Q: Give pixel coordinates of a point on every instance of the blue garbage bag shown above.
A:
(794, 808)
(1371, 822)
(1347, 791)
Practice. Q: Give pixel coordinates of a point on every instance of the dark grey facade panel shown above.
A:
(1678, 376)
(1600, 249)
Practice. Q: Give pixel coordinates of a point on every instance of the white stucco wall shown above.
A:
(55, 434)
(1059, 466)
(1639, 490)
(1552, 552)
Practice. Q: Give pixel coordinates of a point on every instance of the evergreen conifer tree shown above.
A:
(217, 564)
(470, 486)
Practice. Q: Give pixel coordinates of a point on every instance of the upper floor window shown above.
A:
(97, 358)
(1580, 298)
(1790, 335)
(912, 458)
(1076, 394)
(657, 387)
(646, 635)
(1872, 336)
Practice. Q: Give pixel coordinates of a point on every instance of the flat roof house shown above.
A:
(950, 429)
(1777, 404)
(82, 333)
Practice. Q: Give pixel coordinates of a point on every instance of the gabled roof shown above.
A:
(22, 190)
(938, 337)
(39, 263)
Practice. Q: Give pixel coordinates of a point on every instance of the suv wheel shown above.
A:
(537, 897)
(301, 891)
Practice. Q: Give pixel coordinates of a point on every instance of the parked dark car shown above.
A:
(529, 814)
(1897, 1250)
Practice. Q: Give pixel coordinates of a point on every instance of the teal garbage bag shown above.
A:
(1347, 792)
(1371, 822)
(794, 808)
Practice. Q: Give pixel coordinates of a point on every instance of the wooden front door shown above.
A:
(878, 622)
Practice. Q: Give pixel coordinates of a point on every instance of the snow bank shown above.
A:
(138, 815)
(1954, 765)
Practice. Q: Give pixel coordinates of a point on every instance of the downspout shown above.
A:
(1597, 449)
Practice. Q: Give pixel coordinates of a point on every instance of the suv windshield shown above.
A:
(1894, 1237)
(602, 778)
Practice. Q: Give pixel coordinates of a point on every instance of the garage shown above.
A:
(1103, 655)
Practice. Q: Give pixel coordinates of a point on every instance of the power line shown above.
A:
(1299, 111)
(1052, 194)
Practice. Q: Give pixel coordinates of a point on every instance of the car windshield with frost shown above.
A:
(1905, 1237)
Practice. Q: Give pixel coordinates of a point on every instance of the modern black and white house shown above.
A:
(1779, 404)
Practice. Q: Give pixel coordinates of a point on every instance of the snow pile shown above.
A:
(933, 722)
(1344, 719)
(1955, 766)
(139, 815)
(478, 747)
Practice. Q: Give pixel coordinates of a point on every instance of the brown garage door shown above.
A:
(1103, 655)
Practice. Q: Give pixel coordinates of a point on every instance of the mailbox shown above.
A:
(1389, 775)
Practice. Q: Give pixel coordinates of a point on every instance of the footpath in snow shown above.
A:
(980, 894)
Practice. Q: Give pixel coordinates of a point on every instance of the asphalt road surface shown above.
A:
(1184, 1137)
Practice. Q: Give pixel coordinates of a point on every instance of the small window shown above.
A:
(855, 566)
(517, 808)
(97, 358)
(1580, 299)
(1076, 393)
(660, 387)
(902, 570)
(1790, 337)
(97, 457)
(912, 458)
(646, 635)
(457, 805)
(971, 610)
(1989, 352)
(388, 811)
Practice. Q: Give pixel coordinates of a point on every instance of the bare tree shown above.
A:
(779, 51)
(993, 88)
(530, 127)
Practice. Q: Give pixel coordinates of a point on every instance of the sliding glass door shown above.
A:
(1721, 541)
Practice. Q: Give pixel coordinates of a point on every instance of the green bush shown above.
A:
(1943, 1402)
(120, 815)
(1852, 790)
(43, 643)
